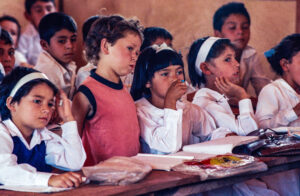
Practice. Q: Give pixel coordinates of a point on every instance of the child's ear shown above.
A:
(9, 105)
(218, 33)
(204, 68)
(284, 64)
(104, 46)
(44, 44)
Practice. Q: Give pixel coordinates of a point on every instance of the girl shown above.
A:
(212, 65)
(104, 110)
(166, 123)
(279, 104)
(28, 150)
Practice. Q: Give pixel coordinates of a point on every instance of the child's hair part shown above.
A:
(87, 26)
(29, 4)
(226, 10)
(5, 36)
(215, 51)
(286, 49)
(111, 28)
(152, 33)
(14, 20)
(10, 81)
(150, 61)
(54, 22)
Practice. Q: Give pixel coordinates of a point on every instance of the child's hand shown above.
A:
(64, 107)
(65, 180)
(231, 90)
(174, 93)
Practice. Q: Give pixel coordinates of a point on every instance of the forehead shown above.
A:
(64, 33)
(5, 45)
(39, 4)
(132, 36)
(7, 24)
(236, 18)
(42, 90)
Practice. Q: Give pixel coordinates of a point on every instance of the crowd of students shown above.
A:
(133, 96)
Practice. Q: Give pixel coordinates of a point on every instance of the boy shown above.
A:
(7, 52)
(232, 21)
(29, 43)
(58, 40)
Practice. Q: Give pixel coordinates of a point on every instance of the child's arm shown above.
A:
(65, 180)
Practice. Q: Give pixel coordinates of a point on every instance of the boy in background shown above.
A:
(7, 52)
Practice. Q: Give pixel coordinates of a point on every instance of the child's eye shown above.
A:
(11, 52)
(228, 59)
(164, 74)
(37, 101)
(49, 8)
(180, 72)
(62, 41)
(51, 105)
(73, 39)
(130, 48)
(245, 27)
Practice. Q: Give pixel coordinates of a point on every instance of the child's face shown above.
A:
(226, 66)
(62, 46)
(13, 30)
(163, 79)
(38, 10)
(161, 40)
(236, 28)
(7, 56)
(292, 70)
(35, 109)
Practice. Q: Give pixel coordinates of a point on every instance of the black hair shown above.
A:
(29, 4)
(216, 50)
(54, 22)
(9, 82)
(14, 20)
(87, 26)
(147, 64)
(226, 10)
(112, 28)
(286, 49)
(152, 33)
(5, 36)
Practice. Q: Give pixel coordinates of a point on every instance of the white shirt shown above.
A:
(167, 130)
(83, 73)
(62, 78)
(64, 152)
(275, 105)
(29, 44)
(19, 58)
(218, 107)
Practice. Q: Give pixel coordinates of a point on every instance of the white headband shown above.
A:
(25, 79)
(161, 47)
(203, 52)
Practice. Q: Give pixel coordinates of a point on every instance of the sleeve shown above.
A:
(66, 152)
(164, 135)
(246, 119)
(12, 173)
(268, 113)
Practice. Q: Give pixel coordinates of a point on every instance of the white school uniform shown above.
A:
(64, 152)
(83, 73)
(218, 107)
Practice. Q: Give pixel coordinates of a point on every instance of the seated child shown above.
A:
(167, 121)
(29, 44)
(232, 21)
(278, 105)
(58, 39)
(28, 150)
(12, 26)
(7, 51)
(85, 71)
(104, 110)
(212, 65)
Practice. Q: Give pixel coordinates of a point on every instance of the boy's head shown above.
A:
(232, 21)
(156, 35)
(58, 33)
(11, 25)
(7, 51)
(35, 10)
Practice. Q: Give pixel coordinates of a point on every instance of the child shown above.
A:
(7, 51)
(212, 65)
(278, 104)
(58, 39)
(11, 25)
(28, 150)
(29, 44)
(232, 21)
(104, 110)
(167, 121)
(156, 35)
(85, 71)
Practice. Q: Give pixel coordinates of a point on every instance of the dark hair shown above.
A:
(5, 36)
(216, 50)
(147, 64)
(14, 20)
(29, 4)
(9, 82)
(286, 49)
(87, 26)
(225, 11)
(152, 33)
(54, 22)
(112, 28)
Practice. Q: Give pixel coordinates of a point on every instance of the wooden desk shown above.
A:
(160, 180)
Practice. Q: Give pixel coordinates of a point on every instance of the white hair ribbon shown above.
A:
(161, 47)
(26, 79)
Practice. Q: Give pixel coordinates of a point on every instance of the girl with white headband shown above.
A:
(29, 151)
(212, 65)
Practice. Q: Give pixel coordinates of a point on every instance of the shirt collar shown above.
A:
(288, 87)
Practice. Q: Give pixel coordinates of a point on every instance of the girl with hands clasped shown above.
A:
(166, 119)
(29, 150)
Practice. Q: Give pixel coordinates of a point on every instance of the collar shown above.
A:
(248, 52)
(286, 85)
(116, 86)
(211, 95)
